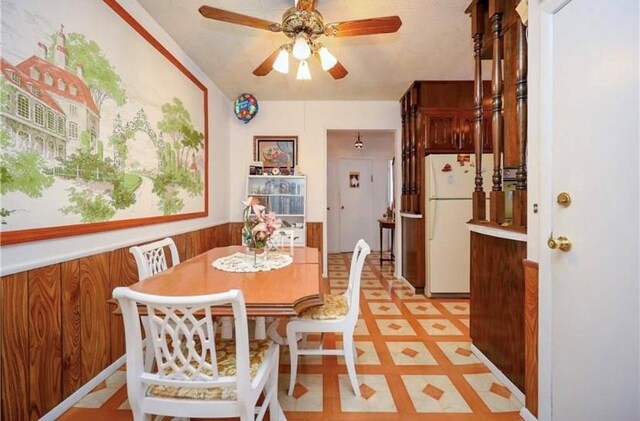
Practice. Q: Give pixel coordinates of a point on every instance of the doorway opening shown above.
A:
(358, 187)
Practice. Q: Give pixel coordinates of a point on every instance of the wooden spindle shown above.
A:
(404, 205)
(496, 9)
(520, 194)
(414, 205)
(477, 29)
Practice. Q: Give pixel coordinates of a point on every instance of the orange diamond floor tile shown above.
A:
(392, 392)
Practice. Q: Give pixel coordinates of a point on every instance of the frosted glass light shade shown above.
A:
(303, 71)
(301, 49)
(282, 62)
(326, 59)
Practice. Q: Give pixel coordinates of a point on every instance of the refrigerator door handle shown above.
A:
(432, 180)
(432, 217)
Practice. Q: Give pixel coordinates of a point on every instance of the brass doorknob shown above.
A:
(561, 243)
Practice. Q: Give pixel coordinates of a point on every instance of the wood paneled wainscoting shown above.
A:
(497, 303)
(57, 329)
(531, 336)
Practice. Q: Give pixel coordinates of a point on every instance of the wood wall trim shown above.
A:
(531, 316)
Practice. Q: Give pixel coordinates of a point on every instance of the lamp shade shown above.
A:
(301, 49)
(282, 61)
(303, 71)
(326, 59)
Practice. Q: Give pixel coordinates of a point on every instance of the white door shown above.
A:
(589, 296)
(356, 200)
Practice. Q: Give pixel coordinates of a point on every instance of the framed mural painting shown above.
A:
(276, 151)
(101, 128)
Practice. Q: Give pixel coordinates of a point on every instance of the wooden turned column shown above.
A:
(479, 197)
(520, 194)
(497, 195)
(413, 109)
(404, 204)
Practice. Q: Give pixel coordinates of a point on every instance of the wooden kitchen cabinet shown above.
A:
(452, 132)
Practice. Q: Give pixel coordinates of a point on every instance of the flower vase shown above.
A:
(258, 252)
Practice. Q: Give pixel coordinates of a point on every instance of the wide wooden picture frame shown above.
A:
(102, 127)
(276, 151)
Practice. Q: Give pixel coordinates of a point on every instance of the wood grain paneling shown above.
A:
(531, 336)
(497, 303)
(122, 272)
(413, 257)
(314, 237)
(94, 332)
(71, 328)
(235, 233)
(15, 347)
(45, 340)
(182, 244)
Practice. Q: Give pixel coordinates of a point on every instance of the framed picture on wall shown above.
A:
(276, 151)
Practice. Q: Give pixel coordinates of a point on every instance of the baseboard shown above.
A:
(496, 372)
(66, 404)
(526, 415)
(407, 284)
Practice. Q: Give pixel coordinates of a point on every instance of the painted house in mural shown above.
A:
(47, 106)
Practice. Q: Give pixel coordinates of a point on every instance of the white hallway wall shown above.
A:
(20, 257)
(309, 120)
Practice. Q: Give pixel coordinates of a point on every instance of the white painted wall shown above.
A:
(19, 257)
(310, 121)
(379, 147)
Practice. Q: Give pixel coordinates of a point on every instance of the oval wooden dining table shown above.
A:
(278, 292)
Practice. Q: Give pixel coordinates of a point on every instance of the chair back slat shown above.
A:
(360, 252)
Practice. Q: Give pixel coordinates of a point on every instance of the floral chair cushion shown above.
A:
(226, 356)
(334, 307)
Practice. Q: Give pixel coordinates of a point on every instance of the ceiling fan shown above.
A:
(304, 24)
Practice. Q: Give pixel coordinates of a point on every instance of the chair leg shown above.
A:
(227, 327)
(349, 359)
(293, 352)
(261, 328)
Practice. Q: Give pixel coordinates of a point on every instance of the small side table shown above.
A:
(389, 224)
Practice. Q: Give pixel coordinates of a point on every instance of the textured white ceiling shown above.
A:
(433, 43)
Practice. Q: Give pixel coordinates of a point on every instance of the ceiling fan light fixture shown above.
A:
(327, 59)
(301, 49)
(282, 61)
(303, 71)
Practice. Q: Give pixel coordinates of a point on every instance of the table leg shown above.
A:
(391, 248)
(381, 247)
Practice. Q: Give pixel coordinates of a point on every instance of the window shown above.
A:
(39, 144)
(61, 153)
(61, 125)
(73, 130)
(51, 121)
(35, 73)
(23, 106)
(34, 90)
(48, 79)
(73, 109)
(61, 85)
(73, 89)
(15, 78)
(39, 114)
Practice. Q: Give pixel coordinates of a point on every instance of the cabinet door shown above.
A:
(466, 128)
(441, 132)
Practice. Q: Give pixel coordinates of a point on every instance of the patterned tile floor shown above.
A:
(413, 363)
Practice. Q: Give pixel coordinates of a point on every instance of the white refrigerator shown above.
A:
(449, 184)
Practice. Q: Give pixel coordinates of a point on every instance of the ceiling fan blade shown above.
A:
(238, 19)
(352, 28)
(266, 66)
(308, 5)
(338, 71)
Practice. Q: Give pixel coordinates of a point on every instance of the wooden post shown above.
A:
(496, 9)
(413, 109)
(477, 30)
(405, 137)
(520, 194)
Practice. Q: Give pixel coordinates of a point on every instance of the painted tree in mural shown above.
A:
(98, 73)
(176, 171)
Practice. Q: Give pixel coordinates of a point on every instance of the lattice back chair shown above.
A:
(339, 314)
(283, 240)
(196, 375)
(151, 258)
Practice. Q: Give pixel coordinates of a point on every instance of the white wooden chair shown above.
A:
(151, 259)
(195, 375)
(338, 314)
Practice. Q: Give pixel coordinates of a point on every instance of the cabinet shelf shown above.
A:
(284, 195)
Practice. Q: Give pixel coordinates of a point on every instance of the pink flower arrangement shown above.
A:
(259, 224)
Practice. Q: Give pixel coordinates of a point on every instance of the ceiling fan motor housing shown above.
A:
(296, 21)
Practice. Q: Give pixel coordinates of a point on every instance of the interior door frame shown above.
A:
(540, 123)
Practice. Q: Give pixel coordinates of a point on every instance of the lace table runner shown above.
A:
(241, 262)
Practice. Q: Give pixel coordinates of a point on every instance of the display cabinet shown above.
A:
(285, 195)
